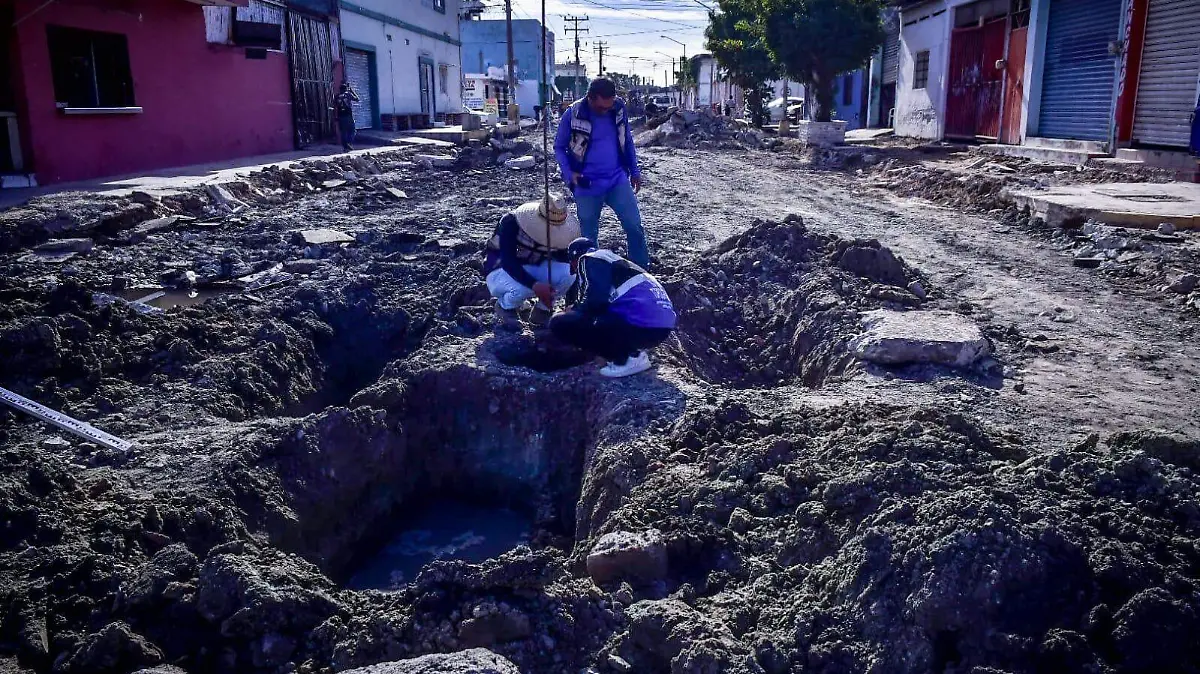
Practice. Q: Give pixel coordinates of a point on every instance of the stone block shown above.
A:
(904, 337)
(821, 134)
(519, 163)
(624, 555)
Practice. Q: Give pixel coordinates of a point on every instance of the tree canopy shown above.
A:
(815, 40)
(735, 37)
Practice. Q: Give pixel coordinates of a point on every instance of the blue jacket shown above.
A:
(573, 142)
(609, 282)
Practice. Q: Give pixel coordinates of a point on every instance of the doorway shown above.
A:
(310, 56)
(973, 101)
(10, 140)
(428, 101)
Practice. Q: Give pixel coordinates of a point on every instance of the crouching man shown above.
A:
(622, 310)
(526, 258)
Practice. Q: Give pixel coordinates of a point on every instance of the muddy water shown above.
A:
(442, 530)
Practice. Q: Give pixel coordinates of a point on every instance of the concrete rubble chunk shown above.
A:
(436, 160)
(397, 193)
(518, 163)
(472, 661)
(223, 198)
(625, 555)
(66, 246)
(333, 183)
(302, 266)
(1183, 284)
(904, 337)
(321, 237)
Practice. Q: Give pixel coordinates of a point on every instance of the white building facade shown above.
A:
(403, 58)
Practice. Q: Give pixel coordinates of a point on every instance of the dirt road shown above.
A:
(775, 504)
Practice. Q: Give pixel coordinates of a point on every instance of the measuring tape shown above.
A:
(85, 431)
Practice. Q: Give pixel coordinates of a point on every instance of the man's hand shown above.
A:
(636, 181)
(544, 293)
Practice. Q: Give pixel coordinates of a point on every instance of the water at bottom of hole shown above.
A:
(442, 530)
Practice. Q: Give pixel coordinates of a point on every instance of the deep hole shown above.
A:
(945, 650)
(545, 356)
(439, 472)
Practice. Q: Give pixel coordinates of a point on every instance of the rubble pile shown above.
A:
(701, 129)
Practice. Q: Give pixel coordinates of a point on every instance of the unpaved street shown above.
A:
(767, 500)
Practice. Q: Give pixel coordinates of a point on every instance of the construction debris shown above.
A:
(702, 129)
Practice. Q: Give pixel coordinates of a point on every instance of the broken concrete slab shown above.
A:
(472, 661)
(302, 266)
(162, 224)
(1144, 205)
(66, 246)
(904, 337)
(520, 163)
(333, 183)
(320, 237)
(436, 160)
(625, 555)
(223, 198)
(397, 193)
(430, 143)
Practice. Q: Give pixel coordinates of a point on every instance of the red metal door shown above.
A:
(1014, 86)
(966, 53)
(990, 89)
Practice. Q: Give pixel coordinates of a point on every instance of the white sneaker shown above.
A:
(639, 362)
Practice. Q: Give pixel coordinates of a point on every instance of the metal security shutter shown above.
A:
(358, 71)
(1078, 76)
(891, 55)
(1166, 93)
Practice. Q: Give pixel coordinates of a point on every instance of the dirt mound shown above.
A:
(779, 302)
(912, 540)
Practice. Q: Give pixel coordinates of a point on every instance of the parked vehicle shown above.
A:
(794, 108)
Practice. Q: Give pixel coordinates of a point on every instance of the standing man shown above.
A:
(729, 106)
(344, 104)
(594, 148)
(622, 311)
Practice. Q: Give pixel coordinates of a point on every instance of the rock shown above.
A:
(1183, 284)
(223, 199)
(160, 224)
(901, 337)
(668, 635)
(331, 184)
(625, 555)
(499, 626)
(436, 160)
(874, 262)
(320, 237)
(143, 197)
(397, 193)
(162, 669)
(518, 163)
(1088, 262)
(893, 294)
(66, 246)
(1166, 228)
(917, 289)
(302, 266)
(116, 648)
(171, 564)
(473, 661)
(350, 176)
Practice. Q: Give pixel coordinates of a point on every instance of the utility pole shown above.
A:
(514, 113)
(576, 30)
(600, 49)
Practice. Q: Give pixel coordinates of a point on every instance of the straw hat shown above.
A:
(564, 226)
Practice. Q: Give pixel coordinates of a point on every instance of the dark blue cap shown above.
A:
(580, 247)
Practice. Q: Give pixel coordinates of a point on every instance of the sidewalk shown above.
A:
(184, 177)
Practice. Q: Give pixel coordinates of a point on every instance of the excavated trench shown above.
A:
(446, 463)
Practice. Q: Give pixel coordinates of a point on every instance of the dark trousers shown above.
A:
(346, 127)
(606, 335)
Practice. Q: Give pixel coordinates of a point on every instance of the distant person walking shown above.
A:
(729, 105)
(343, 103)
(594, 148)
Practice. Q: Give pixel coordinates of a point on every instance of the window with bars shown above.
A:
(921, 70)
(90, 68)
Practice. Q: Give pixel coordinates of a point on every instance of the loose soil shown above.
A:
(1038, 512)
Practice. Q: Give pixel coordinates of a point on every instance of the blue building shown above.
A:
(485, 45)
(850, 99)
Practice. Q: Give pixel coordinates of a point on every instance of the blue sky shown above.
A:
(631, 29)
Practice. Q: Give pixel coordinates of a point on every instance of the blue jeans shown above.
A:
(346, 126)
(624, 203)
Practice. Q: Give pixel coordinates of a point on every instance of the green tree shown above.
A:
(815, 40)
(735, 38)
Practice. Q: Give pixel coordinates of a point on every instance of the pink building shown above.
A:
(94, 88)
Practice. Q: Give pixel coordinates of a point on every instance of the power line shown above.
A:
(600, 49)
(644, 16)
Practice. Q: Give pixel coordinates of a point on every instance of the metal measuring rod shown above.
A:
(71, 425)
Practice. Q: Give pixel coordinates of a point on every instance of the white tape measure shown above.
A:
(85, 431)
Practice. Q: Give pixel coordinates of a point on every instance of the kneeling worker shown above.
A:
(519, 254)
(622, 310)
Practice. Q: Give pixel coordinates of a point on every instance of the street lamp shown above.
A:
(681, 65)
(667, 80)
(681, 44)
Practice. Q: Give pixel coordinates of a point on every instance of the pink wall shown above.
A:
(201, 102)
